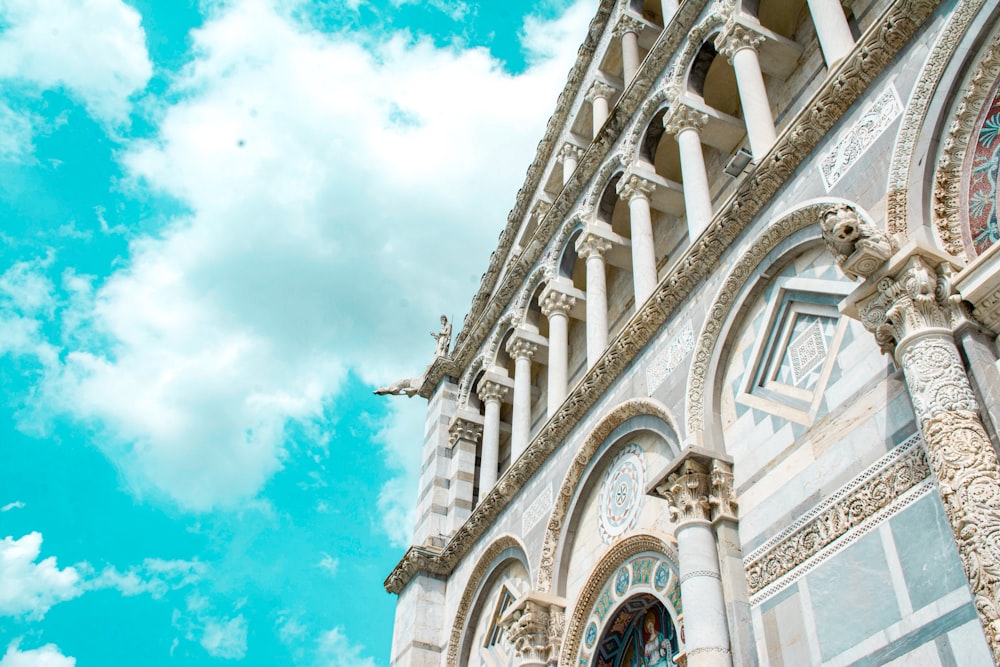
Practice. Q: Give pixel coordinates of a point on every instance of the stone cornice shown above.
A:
(841, 89)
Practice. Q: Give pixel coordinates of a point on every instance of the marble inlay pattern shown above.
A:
(859, 138)
(622, 491)
(667, 361)
(538, 508)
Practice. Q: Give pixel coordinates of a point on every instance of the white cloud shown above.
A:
(155, 576)
(341, 200)
(335, 650)
(16, 135)
(16, 505)
(329, 563)
(29, 589)
(220, 636)
(95, 49)
(46, 656)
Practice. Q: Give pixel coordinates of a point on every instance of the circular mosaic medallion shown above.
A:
(591, 635)
(621, 493)
(621, 582)
(662, 575)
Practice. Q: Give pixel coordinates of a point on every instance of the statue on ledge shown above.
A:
(411, 386)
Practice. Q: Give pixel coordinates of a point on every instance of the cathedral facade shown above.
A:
(729, 391)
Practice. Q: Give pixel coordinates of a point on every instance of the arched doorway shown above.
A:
(639, 634)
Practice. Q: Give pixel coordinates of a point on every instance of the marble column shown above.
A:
(556, 306)
(522, 351)
(464, 434)
(686, 124)
(628, 30)
(832, 30)
(599, 95)
(739, 45)
(636, 190)
(692, 489)
(592, 248)
(570, 156)
(492, 394)
(913, 310)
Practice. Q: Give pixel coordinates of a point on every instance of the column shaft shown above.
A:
(489, 463)
(569, 166)
(706, 631)
(558, 359)
(753, 96)
(597, 309)
(637, 191)
(697, 196)
(832, 30)
(630, 55)
(520, 433)
(600, 113)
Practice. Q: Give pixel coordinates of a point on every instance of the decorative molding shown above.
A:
(635, 187)
(850, 506)
(842, 87)
(855, 141)
(942, 54)
(628, 23)
(947, 195)
(483, 567)
(682, 117)
(599, 89)
(537, 509)
(694, 574)
(667, 361)
(699, 488)
(574, 476)
(735, 37)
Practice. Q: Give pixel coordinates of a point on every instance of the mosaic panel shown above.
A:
(982, 186)
(622, 491)
(853, 143)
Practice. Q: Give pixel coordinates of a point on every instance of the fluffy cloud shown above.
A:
(343, 193)
(221, 637)
(155, 577)
(335, 650)
(16, 135)
(46, 656)
(29, 589)
(94, 49)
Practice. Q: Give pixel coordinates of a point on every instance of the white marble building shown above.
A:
(729, 393)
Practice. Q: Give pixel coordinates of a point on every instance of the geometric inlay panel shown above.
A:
(622, 491)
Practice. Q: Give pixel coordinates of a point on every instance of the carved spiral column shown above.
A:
(739, 45)
(628, 30)
(698, 488)
(520, 428)
(686, 125)
(492, 394)
(570, 156)
(592, 248)
(636, 190)
(912, 310)
(599, 95)
(556, 306)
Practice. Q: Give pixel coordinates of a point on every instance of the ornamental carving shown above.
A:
(687, 492)
(465, 430)
(626, 24)
(736, 37)
(493, 391)
(682, 117)
(599, 89)
(877, 47)
(591, 245)
(520, 348)
(570, 152)
(722, 495)
(635, 187)
(858, 246)
(557, 302)
(534, 627)
(856, 503)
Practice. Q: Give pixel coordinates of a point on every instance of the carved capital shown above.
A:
(534, 627)
(722, 496)
(682, 117)
(465, 430)
(736, 37)
(634, 186)
(687, 490)
(599, 89)
(915, 298)
(493, 391)
(592, 245)
(520, 348)
(556, 302)
(628, 23)
(859, 247)
(569, 152)
(540, 208)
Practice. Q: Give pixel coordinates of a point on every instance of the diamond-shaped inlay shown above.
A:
(807, 351)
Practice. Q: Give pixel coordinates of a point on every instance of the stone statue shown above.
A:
(443, 338)
(408, 386)
(858, 246)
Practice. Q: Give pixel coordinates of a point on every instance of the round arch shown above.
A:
(502, 551)
(707, 351)
(554, 532)
(617, 556)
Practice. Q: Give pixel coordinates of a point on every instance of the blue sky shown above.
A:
(222, 224)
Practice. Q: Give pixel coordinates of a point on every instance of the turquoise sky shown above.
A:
(222, 224)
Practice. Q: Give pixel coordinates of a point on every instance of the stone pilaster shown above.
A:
(911, 308)
(432, 501)
(465, 432)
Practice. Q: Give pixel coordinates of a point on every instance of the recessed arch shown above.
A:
(707, 352)
(503, 550)
(581, 464)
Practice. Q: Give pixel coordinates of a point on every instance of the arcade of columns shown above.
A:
(909, 307)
